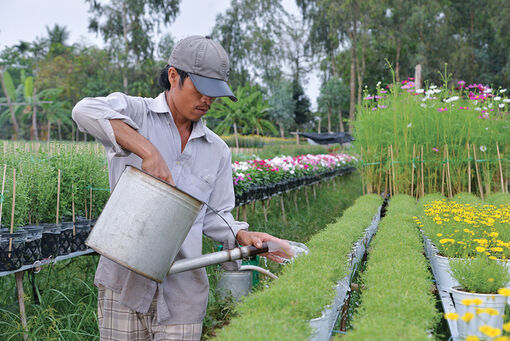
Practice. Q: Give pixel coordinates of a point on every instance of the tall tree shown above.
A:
(282, 105)
(333, 99)
(131, 23)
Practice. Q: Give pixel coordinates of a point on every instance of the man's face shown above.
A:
(187, 102)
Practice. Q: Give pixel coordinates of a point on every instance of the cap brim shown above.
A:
(212, 87)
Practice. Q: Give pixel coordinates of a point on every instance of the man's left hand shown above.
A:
(256, 239)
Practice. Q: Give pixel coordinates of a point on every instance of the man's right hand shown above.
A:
(152, 161)
(155, 165)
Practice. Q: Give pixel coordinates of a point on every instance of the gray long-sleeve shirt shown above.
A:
(203, 170)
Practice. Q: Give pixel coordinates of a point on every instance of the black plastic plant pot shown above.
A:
(49, 240)
(33, 244)
(12, 259)
(82, 232)
(66, 238)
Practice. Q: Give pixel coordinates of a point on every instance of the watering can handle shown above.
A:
(256, 251)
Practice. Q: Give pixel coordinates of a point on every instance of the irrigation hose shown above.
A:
(259, 269)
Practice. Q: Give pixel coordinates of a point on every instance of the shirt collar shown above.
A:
(159, 105)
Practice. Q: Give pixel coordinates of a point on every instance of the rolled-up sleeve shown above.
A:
(222, 200)
(93, 115)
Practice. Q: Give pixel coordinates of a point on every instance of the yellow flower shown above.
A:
(502, 338)
(506, 327)
(468, 316)
(492, 257)
(492, 311)
(467, 302)
(504, 292)
(480, 249)
(490, 280)
(477, 301)
(439, 234)
(451, 316)
(489, 331)
(472, 338)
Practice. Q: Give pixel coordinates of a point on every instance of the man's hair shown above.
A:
(163, 77)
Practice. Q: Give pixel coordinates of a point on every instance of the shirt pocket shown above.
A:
(199, 185)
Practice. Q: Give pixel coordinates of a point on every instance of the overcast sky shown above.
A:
(27, 19)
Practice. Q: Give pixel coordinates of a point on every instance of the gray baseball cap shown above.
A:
(207, 64)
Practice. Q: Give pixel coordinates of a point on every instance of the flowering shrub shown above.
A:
(463, 230)
(425, 127)
(250, 173)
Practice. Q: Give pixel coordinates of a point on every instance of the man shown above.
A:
(166, 137)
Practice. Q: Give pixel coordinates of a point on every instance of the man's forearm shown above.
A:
(131, 140)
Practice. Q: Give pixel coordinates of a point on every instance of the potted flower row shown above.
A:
(31, 243)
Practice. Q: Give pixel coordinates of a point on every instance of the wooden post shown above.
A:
(58, 197)
(361, 172)
(21, 301)
(477, 173)
(503, 189)
(417, 76)
(283, 209)
(469, 168)
(252, 207)
(90, 201)
(237, 213)
(297, 136)
(295, 199)
(243, 213)
(443, 173)
(314, 192)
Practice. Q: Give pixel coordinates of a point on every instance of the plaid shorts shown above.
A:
(119, 323)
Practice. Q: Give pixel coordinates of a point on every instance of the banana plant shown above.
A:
(246, 115)
(10, 97)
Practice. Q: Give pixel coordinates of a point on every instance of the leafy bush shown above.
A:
(480, 274)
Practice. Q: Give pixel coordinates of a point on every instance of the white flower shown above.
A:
(489, 105)
(409, 125)
(436, 91)
(379, 83)
(451, 99)
(483, 148)
(497, 98)
(433, 86)
(502, 91)
(419, 91)
(486, 128)
(429, 92)
(478, 109)
(506, 100)
(502, 105)
(475, 102)
(488, 90)
(423, 105)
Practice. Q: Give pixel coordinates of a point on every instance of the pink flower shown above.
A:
(442, 109)
(464, 108)
(435, 149)
(461, 83)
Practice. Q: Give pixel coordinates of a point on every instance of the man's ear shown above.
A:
(173, 77)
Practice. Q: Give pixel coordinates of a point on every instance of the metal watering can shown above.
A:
(144, 224)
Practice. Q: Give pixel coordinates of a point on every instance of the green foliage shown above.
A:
(9, 85)
(480, 274)
(397, 281)
(282, 311)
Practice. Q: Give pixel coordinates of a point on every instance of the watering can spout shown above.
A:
(216, 258)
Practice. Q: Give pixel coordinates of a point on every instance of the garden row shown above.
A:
(307, 285)
(468, 243)
(396, 303)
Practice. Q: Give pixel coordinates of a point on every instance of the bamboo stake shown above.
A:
(443, 173)
(379, 186)
(469, 168)
(503, 190)
(58, 197)
(306, 197)
(448, 179)
(362, 172)
(265, 210)
(393, 171)
(412, 171)
(314, 192)
(237, 213)
(477, 173)
(72, 208)
(252, 207)
(422, 178)
(2, 201)
(90, 202)
(13, 207)
(295, 200)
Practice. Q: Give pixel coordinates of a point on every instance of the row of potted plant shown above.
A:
(467, 241)
(261, 179)
(307, 285)
(32, 243)
(397, 303)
